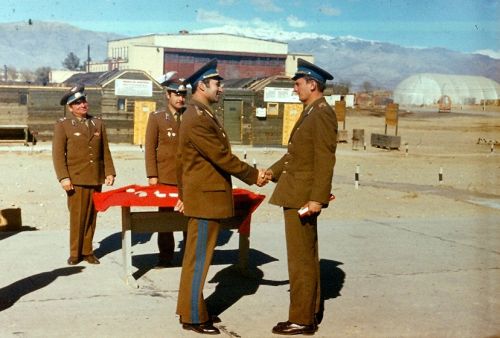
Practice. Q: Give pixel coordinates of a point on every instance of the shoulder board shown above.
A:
(322, 105)
(158, 112)
(94, 118)
(62, 119)
(198, 110)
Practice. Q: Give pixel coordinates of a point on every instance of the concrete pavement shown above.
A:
(381, 278)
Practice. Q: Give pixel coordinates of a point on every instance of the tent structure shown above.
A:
(429, 88)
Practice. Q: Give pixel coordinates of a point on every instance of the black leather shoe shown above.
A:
(91, 259)
(73, 260)
(203, 328)
(289, 328)
(163, 263)
(213, 318)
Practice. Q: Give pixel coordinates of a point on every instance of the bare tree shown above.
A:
(341, 88)
(12, 73)
(367, 86)
(42, 75)
(27, 75)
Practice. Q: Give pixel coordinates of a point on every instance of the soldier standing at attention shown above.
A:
(82, 162)
(162, 138)
(205, 165)
(304, 181)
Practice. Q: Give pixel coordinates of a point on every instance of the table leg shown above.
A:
(244, 248)
(127, 248)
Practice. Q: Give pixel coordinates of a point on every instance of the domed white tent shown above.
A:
(428, 88)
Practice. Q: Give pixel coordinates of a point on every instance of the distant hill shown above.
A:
(29, 46)
(384, 65)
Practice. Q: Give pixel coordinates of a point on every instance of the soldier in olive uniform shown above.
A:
(162, 138)
(82, 162)
(205, 165)
(304, 181)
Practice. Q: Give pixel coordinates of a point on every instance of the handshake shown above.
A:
(265, 175)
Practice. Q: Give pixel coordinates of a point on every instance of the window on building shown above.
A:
(23, 99)
(121, 104)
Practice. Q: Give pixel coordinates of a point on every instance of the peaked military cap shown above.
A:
(73, 94)
(306, 68)
(172, 82)
(208, 71)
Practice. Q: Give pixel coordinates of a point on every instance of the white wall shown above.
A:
(291, 62)
(147, 59)
(222, 42)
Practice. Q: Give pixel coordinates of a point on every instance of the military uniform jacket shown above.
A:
(205, 165)
(162, 138)
(81, 152)
(305, 172)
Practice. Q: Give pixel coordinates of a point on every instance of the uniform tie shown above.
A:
(85, 121)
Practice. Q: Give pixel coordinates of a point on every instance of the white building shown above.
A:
(428, 89)
(238, 56)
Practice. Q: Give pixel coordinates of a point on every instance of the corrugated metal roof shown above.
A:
(88, 79)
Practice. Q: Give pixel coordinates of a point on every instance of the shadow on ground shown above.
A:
(114, 242)
(8, 232)
(10, 294)
(332, 280)
(233, 284)
(146, 262)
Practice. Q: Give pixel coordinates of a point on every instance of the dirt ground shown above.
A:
(420, 256)
(393, 184)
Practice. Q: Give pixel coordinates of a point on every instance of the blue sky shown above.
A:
(465, 25)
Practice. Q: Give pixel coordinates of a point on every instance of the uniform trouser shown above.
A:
(200, 244)
(166, 244)
(303, 266)
(82, 220)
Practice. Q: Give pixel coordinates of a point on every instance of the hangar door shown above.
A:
(141, 114)
(232, 119)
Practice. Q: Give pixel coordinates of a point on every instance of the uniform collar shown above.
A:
(202, 106)
(309, 107)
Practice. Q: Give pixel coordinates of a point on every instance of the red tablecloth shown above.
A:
(166, 196)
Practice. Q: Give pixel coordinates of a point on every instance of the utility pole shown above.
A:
(88, 58)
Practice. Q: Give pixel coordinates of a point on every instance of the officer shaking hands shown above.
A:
(303, 179)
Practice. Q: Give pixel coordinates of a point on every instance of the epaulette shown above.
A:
(322, 104)
(158, 112)
(198, 110)
(62, 119)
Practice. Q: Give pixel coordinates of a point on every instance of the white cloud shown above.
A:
(213, 17)
(267, 5)
(488, 52)
(330, 11)
(295, 22)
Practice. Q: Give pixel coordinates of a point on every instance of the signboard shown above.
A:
(291, 114)
(272, 109)
(260, 112)
(340, 110)
(391, 114)
(273, 94)
(142, 109)
(126, 87)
